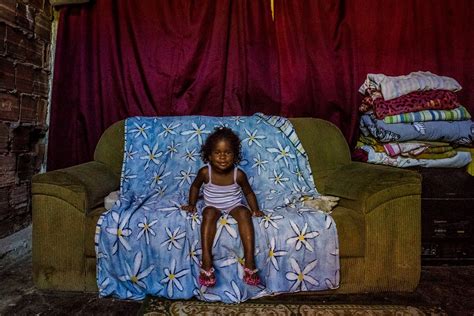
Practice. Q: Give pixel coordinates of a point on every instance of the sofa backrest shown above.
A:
(109, 149)
(326, 146)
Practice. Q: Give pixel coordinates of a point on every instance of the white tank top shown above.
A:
(223, 197)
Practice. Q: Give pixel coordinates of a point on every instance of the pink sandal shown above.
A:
(251, 277)
(210, 281)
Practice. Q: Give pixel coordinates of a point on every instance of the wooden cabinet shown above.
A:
(447, 207)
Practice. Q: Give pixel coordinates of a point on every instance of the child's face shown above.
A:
(222, 156)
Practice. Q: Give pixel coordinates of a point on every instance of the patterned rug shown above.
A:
(157, 306)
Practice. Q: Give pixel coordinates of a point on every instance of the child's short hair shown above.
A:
(218, 134)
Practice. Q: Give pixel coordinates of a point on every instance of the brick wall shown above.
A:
(25, 41)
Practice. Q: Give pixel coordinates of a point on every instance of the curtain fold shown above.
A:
(116, 59)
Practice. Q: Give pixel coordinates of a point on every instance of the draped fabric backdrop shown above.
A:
(116, 59)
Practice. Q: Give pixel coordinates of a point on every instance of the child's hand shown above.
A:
(189, 208)
(258, 213)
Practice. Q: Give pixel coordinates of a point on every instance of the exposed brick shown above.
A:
(47, 8)
(21, 139)
(7, 10)
(7, 169)
(42, 111)
(4, 137)
(7, 74)
(3, 30)
(25, 166)
(43, 27)
(28, 108)
(41, 84)
(23, 47)
(24, 78)
(37, 4)
(9, 108)
(25, 16)
(19, 195)
(47, 57)
(5, 208)
(19, 219)
(40, 150)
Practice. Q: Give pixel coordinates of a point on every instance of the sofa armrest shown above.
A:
(84, 186)
(363, 186)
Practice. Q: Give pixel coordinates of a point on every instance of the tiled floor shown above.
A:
(449, 287)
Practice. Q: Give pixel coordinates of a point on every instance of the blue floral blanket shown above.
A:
(146, 245)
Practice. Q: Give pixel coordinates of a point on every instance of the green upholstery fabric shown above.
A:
(378, 217)
(109, 149)
(83, 186)
(379, 184)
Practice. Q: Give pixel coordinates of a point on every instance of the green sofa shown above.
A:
(378, 216)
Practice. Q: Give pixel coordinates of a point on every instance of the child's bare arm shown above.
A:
(194, 192)
(249, 194)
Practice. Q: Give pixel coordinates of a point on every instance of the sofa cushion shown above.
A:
(350, 226)
(363, 186)
(84, 186)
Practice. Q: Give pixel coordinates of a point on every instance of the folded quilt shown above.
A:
(412, 102)
(394, 87)
(458, 114)
(461, 159)
(146, 245)
(458, 132)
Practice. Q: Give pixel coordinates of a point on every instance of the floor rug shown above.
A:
(157, 306)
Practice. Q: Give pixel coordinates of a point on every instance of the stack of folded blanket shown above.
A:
(414, 120)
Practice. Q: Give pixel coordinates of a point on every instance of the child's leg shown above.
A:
(210, 215)
(244, 220)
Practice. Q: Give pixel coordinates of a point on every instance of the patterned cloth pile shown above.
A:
(146, 245)
(413, 120)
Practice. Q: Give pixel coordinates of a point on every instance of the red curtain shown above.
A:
(116, 59)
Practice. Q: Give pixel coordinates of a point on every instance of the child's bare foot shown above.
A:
(207, 277)
(251, 277)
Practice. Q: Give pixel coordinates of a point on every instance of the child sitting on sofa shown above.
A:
(224, 186)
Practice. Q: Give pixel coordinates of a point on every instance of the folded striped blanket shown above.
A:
(458, 114)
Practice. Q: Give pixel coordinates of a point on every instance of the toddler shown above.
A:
(224, 186)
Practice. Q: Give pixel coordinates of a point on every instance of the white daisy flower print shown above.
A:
(278, 178)
(234, 259)
(151, 155)
(298, 173)
(301, 237)
(185, 176)
(270, 219)
(301, 277)
(237, 120)
(135, 275)
(159, 175)
(191, 155)
(201, 292)
(172, 278)
(194, 252)
(224, 223)
(169, 129)
(160, 191)
(282, 153)
(127, 175)
(172, 148)
(196, 132)
(146, 229)
(195, 219)
(120, 231)
(129, 153)
(273, 254)
(235, 296)
(259, 163)
(174, 237)
(140, 130)
(252, 137)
